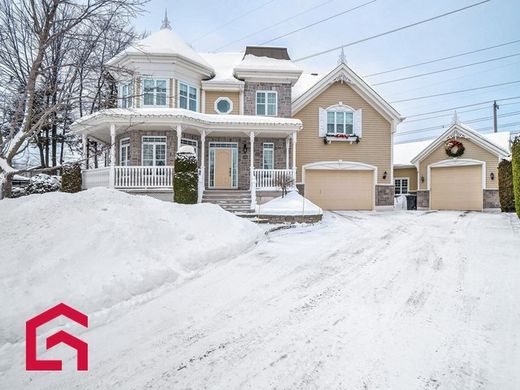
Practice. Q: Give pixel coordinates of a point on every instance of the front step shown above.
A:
(235, 201)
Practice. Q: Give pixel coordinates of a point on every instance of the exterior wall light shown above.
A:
(422, 179)
(384, 175)
(492, 176)
(245, 148)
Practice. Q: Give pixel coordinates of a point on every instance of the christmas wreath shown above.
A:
(454, 148)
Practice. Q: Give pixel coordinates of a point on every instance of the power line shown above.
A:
(392, 31)
(442, 59)
(320, 21)
(500, 126)
(233, 20)
(453, 92)
(446, 70)
(275, 24)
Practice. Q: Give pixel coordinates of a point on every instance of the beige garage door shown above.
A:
(456, 188)
(341, 189)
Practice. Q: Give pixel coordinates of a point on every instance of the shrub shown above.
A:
(185, 180)
(42, 183)
(71, 178)
(505, 186)
(515, 160)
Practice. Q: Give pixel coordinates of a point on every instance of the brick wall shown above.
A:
(284, 97)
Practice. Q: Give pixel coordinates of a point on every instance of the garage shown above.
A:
(457, 188)
(340, 189)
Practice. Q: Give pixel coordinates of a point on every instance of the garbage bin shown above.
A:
(411, 202)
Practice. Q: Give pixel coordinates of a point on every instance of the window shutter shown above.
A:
(358, 123)
(322, 125)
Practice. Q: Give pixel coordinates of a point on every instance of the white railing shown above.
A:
(273, 179)
(143, 177)
(99, 177)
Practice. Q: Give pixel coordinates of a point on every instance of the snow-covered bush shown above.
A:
(42, 183)
(71, 178)
(185, 181)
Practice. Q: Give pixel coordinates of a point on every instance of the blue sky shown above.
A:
(205, 25)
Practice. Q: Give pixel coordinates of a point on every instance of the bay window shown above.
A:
(155, 92)
(187, 97)
(127, 94)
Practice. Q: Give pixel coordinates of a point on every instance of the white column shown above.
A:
(252, 145)
(252, 167)
(202, 176)
(294, 157)
(179, 136)
(112, 174)
(241, 102)
(203, 101)
(287, 153)
(84, 143)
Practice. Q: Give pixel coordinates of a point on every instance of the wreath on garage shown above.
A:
(454, 148)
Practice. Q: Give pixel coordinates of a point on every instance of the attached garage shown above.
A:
(456, 188)
(340, 189)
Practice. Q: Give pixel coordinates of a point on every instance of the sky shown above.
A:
(211, 26)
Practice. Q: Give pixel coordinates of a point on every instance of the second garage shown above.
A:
(457, 188)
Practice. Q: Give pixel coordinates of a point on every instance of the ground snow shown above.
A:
(291, 204)
(98, 248)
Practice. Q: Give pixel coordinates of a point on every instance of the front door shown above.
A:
(223, 171)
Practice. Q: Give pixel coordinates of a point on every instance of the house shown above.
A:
(256, 121)
(456, 171)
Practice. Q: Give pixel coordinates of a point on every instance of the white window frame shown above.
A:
(266, 105)
(401, 185)
(197, 96)
(223, 98)
(122, 146)
(335, 111)
(154, 143)
(126, 99)
(267, 146)
(191, 142)
(155, 79)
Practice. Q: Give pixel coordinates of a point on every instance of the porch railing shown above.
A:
(99, 177)
(273, 179)
(143, 177)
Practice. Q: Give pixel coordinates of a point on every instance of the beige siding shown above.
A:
(457, 188)
(472, 151)
(340, 189)
(212, 96)
(374, 148)
(138, 93)
(172, 102)
(410, 173)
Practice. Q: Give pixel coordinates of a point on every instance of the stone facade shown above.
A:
(423, 199)
(284, 97)
(384, 195)
(491, 199)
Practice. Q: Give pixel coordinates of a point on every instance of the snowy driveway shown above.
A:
(407, 300)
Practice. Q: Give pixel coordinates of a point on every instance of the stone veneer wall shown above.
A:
(385, 195)
(491, 199)
(423, 199)
(279, 152)
(284, 97)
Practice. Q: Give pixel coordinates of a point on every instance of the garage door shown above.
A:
(456, 188)
(340, 189)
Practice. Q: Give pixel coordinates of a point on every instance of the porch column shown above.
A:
(112, 173)
(294, 157)
(84, 145)
(252, 168)
(287, 153)
(202, 165)
(179, 136)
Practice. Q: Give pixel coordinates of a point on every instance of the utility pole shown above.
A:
(495, 109)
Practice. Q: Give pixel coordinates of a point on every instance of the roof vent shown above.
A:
(278, 53)
(314, 74)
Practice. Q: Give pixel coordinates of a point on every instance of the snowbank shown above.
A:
(99, 247)
(400, 202)
(292, 204)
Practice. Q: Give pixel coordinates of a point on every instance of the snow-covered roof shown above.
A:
(252, 62)
(224, 66)
(163, 42)
(304, 83)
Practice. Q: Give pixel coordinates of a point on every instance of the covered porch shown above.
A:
(235, 152)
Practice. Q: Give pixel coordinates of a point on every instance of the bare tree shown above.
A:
(48, 50)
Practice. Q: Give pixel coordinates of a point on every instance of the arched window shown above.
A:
(340, 120)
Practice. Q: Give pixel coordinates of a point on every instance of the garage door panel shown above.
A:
(456, 188)
(340, 189)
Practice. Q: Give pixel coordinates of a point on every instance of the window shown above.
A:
(268, 156)
(187, 97)
(223, 105)
(339, 122)
(127, 95)
(267, 103)
(124, 151)
(401, 185)
(154, 151)
(155, 92)
(191, 142)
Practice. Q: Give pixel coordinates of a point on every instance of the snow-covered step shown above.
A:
(236, 201)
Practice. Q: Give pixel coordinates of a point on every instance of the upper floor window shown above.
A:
(187, 97)
(154, 151)
(401, 185)
(223, 105)
(339, 122)
(266, 103)
(155, 92)
(127, 95)
(124, 151)
(268, 155)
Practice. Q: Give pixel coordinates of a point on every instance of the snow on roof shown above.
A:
(291, 204)
(404, 153)
(224, 66)
(252, 62)
(165, 42)
(304, 83)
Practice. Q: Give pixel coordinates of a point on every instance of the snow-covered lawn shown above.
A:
(389, 300)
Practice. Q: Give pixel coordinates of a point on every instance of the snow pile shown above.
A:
(97, 248)
(291, 204)
(400, 202)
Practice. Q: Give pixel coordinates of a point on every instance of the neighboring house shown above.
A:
(255, 122)
(456, 171)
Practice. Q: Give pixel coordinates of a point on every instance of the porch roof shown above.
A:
(98, 124)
